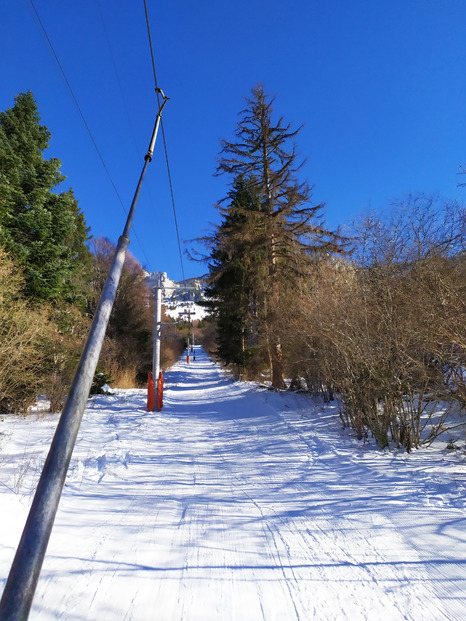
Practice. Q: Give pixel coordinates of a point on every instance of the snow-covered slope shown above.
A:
(181, 299)
(237, 503)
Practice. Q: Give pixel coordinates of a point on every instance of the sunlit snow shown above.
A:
(237, 503)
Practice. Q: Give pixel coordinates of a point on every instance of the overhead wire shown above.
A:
(164, 140)
(83, 118)
(128, 116)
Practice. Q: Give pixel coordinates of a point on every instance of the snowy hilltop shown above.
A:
(181, 299)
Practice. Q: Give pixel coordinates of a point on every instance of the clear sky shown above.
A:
(379, 86)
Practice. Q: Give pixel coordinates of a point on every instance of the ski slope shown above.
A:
(237, 503)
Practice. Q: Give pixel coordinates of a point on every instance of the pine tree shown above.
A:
(286, 226)
(44, 230)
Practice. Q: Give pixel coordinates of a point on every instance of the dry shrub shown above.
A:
(387, 331)
(123, 377)
(382, 349)
(172, 344)
(70, 330)
(127, 350)
(24, 335)
(120, 363)
(207, 334)
(170, 352)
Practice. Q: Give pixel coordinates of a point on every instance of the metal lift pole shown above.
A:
(24, 573)
(158, 286)
(157, 328)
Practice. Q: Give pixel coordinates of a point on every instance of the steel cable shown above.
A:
(164, 140)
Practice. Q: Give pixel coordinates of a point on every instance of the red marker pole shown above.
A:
(160, 392)
(150, 393)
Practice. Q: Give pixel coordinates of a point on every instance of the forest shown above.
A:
(372, 314)
(51, 275)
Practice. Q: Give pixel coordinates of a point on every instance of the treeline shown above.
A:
(376, 316)
(51, 277)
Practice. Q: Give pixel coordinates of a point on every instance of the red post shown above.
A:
(160, 392)
(150, 393)
(187, 358)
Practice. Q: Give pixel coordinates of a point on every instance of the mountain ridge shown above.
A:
(180, 298)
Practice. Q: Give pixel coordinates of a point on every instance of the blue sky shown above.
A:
(379, 86)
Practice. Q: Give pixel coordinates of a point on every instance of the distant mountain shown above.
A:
(180, 298)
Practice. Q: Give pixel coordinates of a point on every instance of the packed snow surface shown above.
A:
(236, 503)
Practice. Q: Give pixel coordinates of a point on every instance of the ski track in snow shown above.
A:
(236, 503)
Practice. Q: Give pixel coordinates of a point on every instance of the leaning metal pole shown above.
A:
(24, 573)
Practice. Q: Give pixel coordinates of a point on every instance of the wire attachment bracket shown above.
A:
(150, 150)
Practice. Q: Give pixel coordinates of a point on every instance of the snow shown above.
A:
(237, 503)
(182, 310)
(180, 298)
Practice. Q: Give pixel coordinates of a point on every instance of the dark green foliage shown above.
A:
(44, 255)
(99, 381)
(44, 230)
(235, 261)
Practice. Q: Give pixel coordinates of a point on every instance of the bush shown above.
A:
(127, 350)
(387, 330)
(25, 334)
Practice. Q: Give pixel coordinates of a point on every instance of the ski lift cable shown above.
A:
(83, 118)
(164, 140)
(125, 107)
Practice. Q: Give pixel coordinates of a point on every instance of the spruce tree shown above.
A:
(234, 269)
(44, 230)
(286, 226)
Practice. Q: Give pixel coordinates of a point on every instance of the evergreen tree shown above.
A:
(44, 230)
(234, 270)
(286, 227)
